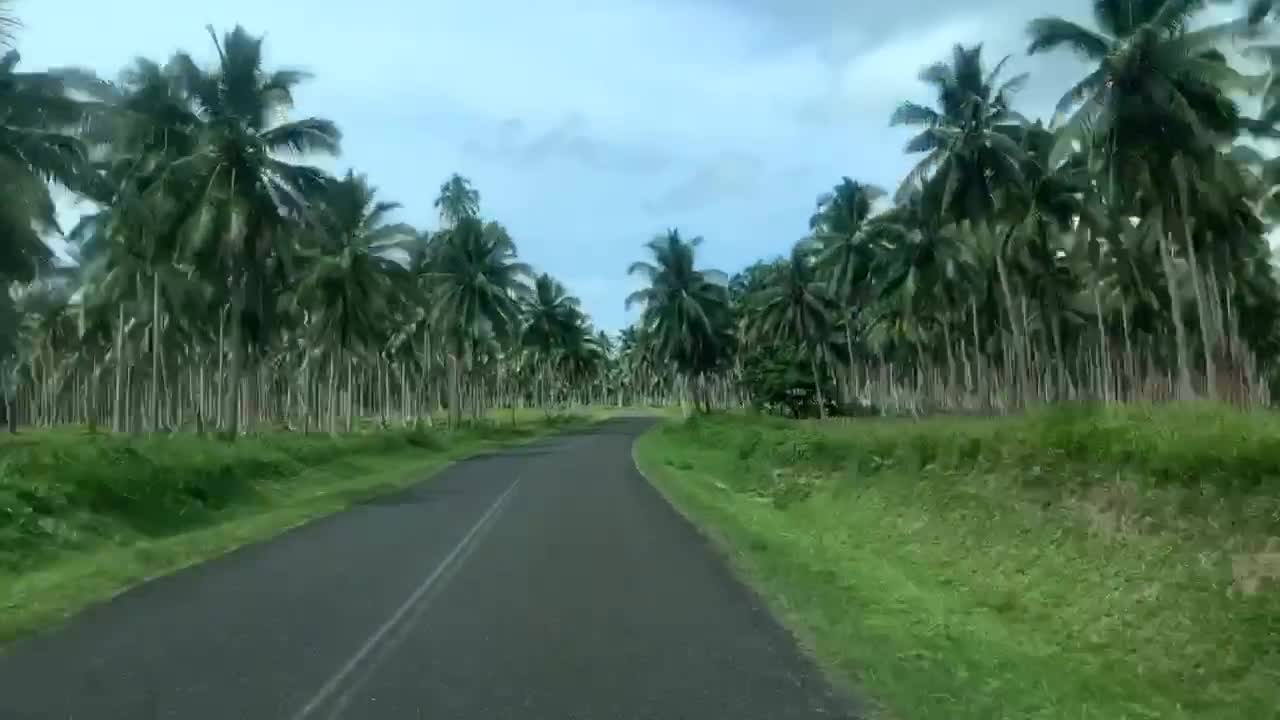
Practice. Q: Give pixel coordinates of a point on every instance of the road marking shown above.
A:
(369, 645)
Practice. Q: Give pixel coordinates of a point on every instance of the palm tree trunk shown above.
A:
(1183, 390)
(351, 390)
(231, 398)
(155, 352)
(848, 346)
(222, 356)
(817, 384)
(1102, 346)
(1019, 359)
(117, 422)
(455, 389)
(980, 379)
(1208, 335)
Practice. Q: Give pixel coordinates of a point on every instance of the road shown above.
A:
(546, 582)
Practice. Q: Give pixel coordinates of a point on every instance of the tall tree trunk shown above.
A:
(1184, 389)
(155, 352)
(455, 389)
(333, 393)
(351, 390)
(231, 398)
(221, 386)
(980, 379)
(117, 421)
(1107, 385)
(817, 384)
(1208, 333)
(1019, 359)
(848, 346)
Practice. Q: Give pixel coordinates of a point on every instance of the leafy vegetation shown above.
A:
(1087, 563)
(1116, 253)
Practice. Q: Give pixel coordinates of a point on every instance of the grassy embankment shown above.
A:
(1080, 564)
(86, 515)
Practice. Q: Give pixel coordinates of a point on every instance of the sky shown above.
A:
(590, 126)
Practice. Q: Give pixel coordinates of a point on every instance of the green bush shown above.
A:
(63, 490)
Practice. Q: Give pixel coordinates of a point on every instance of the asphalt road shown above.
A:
(548, 582)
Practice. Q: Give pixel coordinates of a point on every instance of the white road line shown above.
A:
(334, 682)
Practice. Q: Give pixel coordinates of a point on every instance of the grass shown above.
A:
(1082, 564)
(85, 515)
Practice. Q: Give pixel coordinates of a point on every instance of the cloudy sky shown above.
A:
(590, 125)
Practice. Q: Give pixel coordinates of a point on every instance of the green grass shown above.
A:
(1075, 564)
(85, 515)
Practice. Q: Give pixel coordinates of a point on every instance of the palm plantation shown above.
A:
(222, 280)
(1116, 252)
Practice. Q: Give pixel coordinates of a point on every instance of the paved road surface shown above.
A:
(548, 582)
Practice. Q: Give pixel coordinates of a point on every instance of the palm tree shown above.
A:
(131, 248)
(1151, 67)
(477, 286)
(457, 200)
(246, 195)
(686, 309)
(798, 308)
(38, 145)
(844, 252)
(973, 152)
(350, 277)
(970, 139)
(1156, 105)
(553, 323)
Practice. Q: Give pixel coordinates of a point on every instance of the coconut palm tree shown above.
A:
(973, 153)
(844, 252)
(1156, 105)
(246, 194)
(1151, 66)
(477, 287)
(349, 277)
(553, 323)
(970, 139)
(798, 309)
(38, 145)
(685, 308)
(457, 200)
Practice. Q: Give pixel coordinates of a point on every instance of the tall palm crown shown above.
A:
(685, 308)
(477, 283)
(244, 199)
(969, 139)
(351, 277)
(837, 226)
(247, 191)
(37, 146)
(148, 124)
(553, 317)
(1157, 84)
(457, 200)
(796, 307)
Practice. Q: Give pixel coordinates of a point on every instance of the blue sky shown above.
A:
(588, 127)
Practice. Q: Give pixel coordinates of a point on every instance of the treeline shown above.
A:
(223, 282)
(1116, 252)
